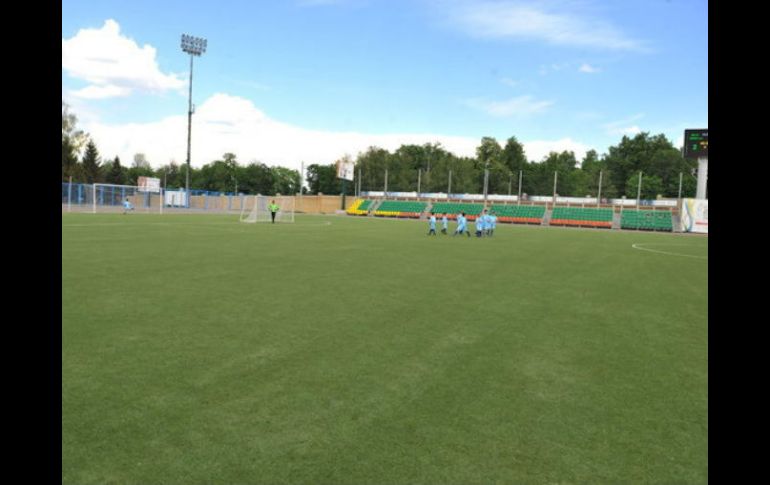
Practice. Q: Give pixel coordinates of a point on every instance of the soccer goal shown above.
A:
(110, 198)
(256, 208)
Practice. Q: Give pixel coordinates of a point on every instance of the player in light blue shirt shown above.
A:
(127, 206)
(432, 224)
(481, 220)
(444, 224)
(461, 225)
(492, 223)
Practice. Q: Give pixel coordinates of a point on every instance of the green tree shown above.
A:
(652, 155)
(435, 172)
(592, 167)
(69, 159)
(255, 178)
(464, 175)
(216, 176)
(372, 164)
(669, 164)
(172, 174)
(322, 179)
(140, 161)
(285, 180)
(513, 156)
(538, 180)
(72, 142)
(133, 174)
(652, 185)
(231, 164)
(689, 185)
(489, 157)
(115, 173)
(564, 164)
(91, 164)
(404, 164)
(139, 168)
(513, 161)
(488, 152)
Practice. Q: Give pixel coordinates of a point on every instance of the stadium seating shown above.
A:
(579, 216)
(360, 207)
(647, 220)
(399, 208)
(452, 209)
(531, 214)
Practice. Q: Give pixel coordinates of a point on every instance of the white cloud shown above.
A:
(519, 106)
(225, 123)
(537, 150)
(113, 64)
(621, 127)
(631, 130)
(587, 68)
(530, 20)
(101, 92)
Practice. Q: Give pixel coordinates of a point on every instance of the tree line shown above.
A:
(429, 165)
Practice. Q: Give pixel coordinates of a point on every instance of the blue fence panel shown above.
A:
(81, 193)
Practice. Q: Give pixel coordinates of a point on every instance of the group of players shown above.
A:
(485, 224)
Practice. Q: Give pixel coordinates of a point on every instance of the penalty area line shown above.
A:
(639, 246)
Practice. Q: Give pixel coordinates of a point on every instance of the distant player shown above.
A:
(444, 225)
(127, 206)
(461, 225)
(273, 209)
(432, 224)
(481, 221)
(491, 222)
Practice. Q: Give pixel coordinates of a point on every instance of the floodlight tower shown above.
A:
(194, 46)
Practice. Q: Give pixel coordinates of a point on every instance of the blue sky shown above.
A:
(313, 80)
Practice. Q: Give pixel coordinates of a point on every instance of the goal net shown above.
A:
(110, 198)
(256, 208)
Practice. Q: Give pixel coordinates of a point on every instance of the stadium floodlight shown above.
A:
(194, 46)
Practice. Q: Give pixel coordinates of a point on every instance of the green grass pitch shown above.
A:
(351, 350)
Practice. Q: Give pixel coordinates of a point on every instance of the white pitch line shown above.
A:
(638, 246)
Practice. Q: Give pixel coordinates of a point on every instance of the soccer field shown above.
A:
(343, 350)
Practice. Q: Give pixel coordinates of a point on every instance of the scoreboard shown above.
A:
(696, 143)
